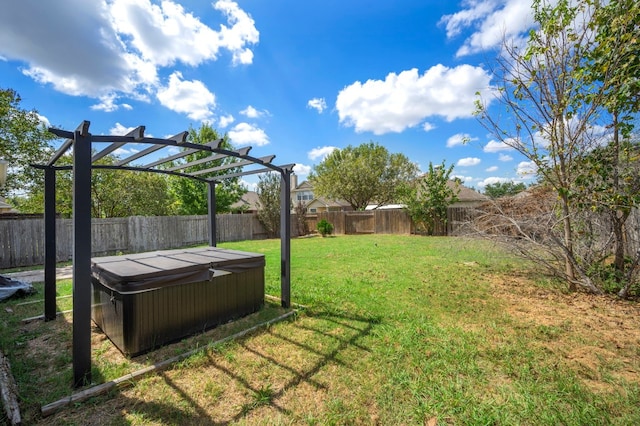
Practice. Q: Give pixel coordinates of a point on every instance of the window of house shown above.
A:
(304, 196)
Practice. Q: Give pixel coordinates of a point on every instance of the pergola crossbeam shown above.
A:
(137, 134)
(262, 160)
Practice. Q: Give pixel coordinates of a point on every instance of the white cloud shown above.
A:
(225, 120)
(464, 179)
(320, 152)
(107, 103)
(251, 112)
(493, 180)
(427, 127)
(44, 120)
(468, 162)
(319, 104)
(248, 134)
(505, 158)
(242, 32)
(491, 21)
(188, 97)
(251, 186)
(405, 100)
(166, 33)
(121, 152)
(120, 130)
(526, 169)
(459, 139)
(302, 169)
(496, 146)
(109, 50)
(491, 169)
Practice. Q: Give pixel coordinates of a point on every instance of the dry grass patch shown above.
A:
(597, 336)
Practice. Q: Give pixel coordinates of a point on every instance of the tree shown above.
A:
(23, 141)
(192, 195)
(429, 196)
(362, 175)
(300, 210)
(614, 66)
(269, 202)
(502, 189)
(114, 193)
(553, 114)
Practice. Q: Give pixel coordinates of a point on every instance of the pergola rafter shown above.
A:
(84, 160)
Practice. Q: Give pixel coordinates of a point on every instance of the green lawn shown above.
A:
(395, 330)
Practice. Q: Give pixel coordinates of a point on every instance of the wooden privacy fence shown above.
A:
(22, 240)
(369, 222)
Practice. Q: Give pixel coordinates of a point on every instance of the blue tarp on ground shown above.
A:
(10, 287)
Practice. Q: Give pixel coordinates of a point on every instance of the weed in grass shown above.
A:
(213, 390)
(260, 397)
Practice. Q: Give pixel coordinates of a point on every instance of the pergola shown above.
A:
(84, 160)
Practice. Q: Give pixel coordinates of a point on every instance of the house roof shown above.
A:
(327, 203)
(304, 185)
(466, 194)
(5, 207)
(249, 201)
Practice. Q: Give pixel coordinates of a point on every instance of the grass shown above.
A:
(396, 330)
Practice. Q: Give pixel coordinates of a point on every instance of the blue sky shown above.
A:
(291, 78)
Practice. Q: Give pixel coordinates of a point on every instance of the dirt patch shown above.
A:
(597, 336)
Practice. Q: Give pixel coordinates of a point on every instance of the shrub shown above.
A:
(324, 227)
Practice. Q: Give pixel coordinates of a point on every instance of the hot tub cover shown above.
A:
(140, 271)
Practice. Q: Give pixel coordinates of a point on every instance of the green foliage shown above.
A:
(362, 175)
(577, 75)
(324, 227)
(192, 195)
(503, 189)
(114, 193)
(614, 63)
(428, 197)
(269, 202)
(23, 141)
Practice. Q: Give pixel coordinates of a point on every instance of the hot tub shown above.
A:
(145, 300)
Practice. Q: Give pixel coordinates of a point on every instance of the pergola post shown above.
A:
(285, 237)
(212, 213)
(81, 351)
(49, 244)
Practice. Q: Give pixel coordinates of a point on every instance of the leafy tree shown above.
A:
(362, 175)
(269, 202)
(23, 141)
(553, 112)
(191, 195)
(613, 65)
(114, 193)
(429, 196)
(502, 189)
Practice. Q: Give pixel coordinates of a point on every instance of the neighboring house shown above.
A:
(304, 193)
(301, 193)
(319, 205)
(467, 197)
(247, 204)
(5, 207)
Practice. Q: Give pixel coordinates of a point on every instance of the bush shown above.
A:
(324, 227)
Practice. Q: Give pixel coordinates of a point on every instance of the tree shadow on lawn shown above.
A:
(254, 378)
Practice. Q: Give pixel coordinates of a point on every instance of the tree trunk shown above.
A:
(568, 243)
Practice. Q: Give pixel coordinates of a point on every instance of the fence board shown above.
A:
(22, 239)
